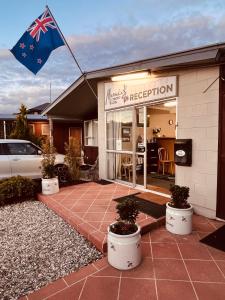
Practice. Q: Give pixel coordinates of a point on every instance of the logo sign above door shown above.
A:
(135, 92)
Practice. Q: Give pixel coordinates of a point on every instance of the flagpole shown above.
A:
(62, 36)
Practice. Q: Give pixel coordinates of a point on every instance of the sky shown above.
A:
(100, 34)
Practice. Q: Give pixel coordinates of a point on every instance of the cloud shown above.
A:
(107, 47)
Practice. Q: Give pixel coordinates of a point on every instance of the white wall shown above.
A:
(197, 119)
(101, 132)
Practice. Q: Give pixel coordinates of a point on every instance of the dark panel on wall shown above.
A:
(90, 154)
(220, 210)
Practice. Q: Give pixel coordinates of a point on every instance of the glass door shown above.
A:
(140, 122)
(119, 145)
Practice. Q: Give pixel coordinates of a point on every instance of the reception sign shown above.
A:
(134, 92)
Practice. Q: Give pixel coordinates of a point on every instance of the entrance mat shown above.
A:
(153, 198)
(152, 209)
(215, 239)
(103, 182)
(168, 177)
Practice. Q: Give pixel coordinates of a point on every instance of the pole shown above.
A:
(50, 130)
(50, 92)
(4, 129)
(67, 45)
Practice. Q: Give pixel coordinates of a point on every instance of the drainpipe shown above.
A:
(51, 130)
(4, 129)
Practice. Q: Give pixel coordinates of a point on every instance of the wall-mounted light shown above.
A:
(170, 103)
(131, 76)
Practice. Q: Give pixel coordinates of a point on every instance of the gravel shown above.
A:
(37, 247)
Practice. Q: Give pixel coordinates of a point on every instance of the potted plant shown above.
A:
(124, 251)
(178, 211)
(49, 182)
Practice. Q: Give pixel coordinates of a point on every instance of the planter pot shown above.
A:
(124, 251)
(50, 186)
(179, 220)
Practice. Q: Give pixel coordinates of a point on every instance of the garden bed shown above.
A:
(37, 247)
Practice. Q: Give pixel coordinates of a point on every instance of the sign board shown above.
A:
(133, 92)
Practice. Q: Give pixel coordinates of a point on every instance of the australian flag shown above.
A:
(36, 44)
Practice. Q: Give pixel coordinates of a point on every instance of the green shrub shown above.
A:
(128, 211)
(16, 188)
(179, 196)
(48, 161)
(72, 153)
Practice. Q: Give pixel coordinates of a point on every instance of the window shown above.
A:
(32, 128)
(91, 133)
(119, 130)
(45, 129)
(21, 149)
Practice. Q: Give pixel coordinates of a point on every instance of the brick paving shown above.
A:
(173, 266)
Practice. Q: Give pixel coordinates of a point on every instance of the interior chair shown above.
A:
(164, 160)
(126, 167)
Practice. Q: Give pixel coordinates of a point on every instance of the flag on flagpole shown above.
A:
(36, 44)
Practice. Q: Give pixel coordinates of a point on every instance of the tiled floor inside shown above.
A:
(173, 266)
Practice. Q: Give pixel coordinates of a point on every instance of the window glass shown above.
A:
(21, 149)
(2, 152)
(45, 129)
(91, 133)
(119, 130)
(31, 149)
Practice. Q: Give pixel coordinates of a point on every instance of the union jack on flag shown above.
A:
(36, 44)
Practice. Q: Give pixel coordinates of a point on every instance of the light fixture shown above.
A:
(131, 76)
(170, 103)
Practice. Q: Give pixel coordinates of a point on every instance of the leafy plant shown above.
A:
(16, 188)
(179, 196)
(48, 161)
(72, 154)
(128, 211)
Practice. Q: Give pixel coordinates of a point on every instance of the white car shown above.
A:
(21, 157)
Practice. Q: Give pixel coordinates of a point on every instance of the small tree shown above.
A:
(72, 153)
(48, 161)
(21, 129)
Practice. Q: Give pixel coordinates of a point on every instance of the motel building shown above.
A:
(156, 122)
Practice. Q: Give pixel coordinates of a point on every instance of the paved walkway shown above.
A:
(173, 266)
(90, 209)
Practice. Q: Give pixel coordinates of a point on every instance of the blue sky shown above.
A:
(101, 34)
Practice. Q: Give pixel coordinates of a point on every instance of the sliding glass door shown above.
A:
(125, 143)
(119, 145)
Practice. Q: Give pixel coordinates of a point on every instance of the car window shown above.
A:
(2, 152)
(21, 149)
(31, 149)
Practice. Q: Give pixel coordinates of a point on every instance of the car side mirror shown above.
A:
(39, 152)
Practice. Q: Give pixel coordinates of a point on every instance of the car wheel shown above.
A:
(62, 172)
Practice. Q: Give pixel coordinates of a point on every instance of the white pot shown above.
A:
(179, 220)
(124, 251)
(50, 186)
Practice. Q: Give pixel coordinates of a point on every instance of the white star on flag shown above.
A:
(24, 54)
(39, 61)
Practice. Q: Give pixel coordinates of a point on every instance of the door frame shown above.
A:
(220, 206)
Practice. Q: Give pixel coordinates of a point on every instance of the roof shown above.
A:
(30, 117)
(203, 56)
(38, 108)
(13, 141)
